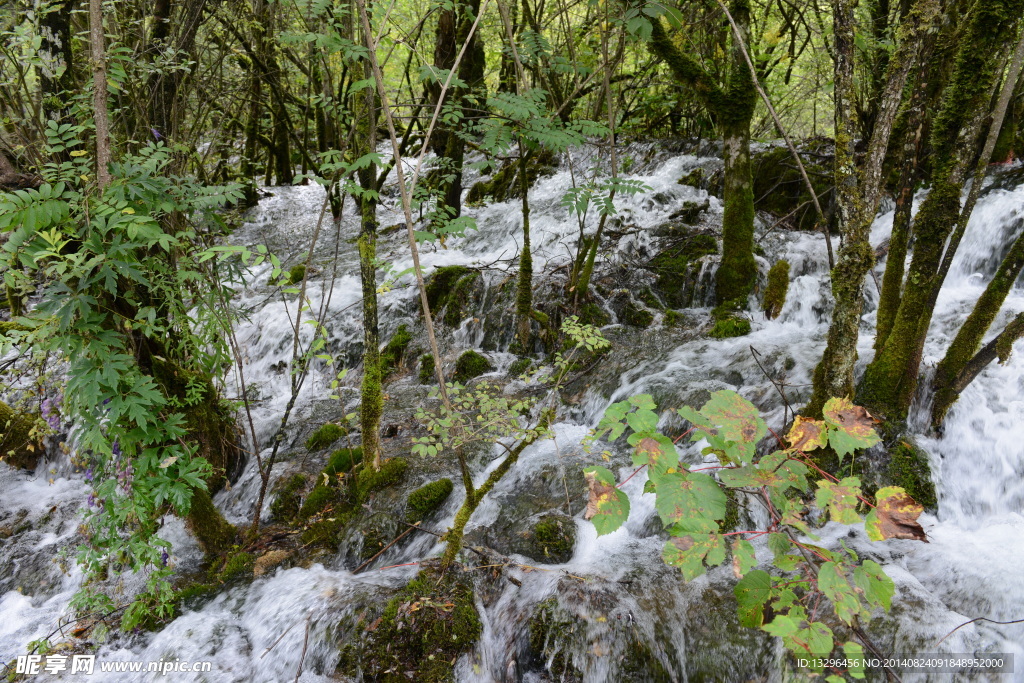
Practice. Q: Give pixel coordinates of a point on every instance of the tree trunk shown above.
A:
(891, 379)
(524, 285)
(99, 93)
(737, 273)
(56, 77)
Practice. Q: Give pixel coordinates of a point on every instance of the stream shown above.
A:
(971, 566)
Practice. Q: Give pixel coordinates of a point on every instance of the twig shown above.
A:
(991, 621)
(386, 548)
(302, 658)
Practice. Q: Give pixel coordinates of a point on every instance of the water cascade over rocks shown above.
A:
(608, 609)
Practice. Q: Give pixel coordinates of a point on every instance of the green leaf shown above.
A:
(855, 651)
(683, 495)
(607, 506)
(876, 585)
(691, 551)
(743, 557)
(840, 499)
(852, 427)
(834, 582)
(752, 593)
(736, 417)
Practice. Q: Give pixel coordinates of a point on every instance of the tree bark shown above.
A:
(99, 93)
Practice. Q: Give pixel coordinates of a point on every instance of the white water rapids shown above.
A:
(970, 568)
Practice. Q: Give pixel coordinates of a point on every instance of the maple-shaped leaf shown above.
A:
(834, 582)
(683, 495)
(752, 593)
(807, 434)
(607, 506)
(736, 418)
(788, 471)
(895, 516)
(659, 454)
(840, 499)
(691, 551)
(743, 557)
(814, 639)
(875, 584)
(852, 427)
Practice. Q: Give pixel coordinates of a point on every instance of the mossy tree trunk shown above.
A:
(524, 284)
(891, 378)
(858, 191)
(732, 108)
(365, 112)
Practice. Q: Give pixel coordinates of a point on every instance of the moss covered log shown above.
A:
(428, 498)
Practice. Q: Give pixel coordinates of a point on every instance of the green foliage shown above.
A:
(775, 291)
(238, 566)
(325, 436)
(428, 498)
(286, 503)
(470, 364)
(730, 326)
(692, 505)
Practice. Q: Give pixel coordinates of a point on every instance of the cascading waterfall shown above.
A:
(614, 591)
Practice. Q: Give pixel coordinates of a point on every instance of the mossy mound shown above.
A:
(19, 447)
(505, 184)
(214, 533)
(288, 500)
(426, 373)
(469, 365)
(325, 436)
(729, 322)
(775, 291)
(343, 461)
(674, 267)
(554, 539)
(291, 277)
(448, 290)
(909, 468)
(428, 498)
(519, 366)
(780, 190)
(420, 635)
(370, 480)
(636, 316)
(592, 314)
(392, 356)
(237, 567)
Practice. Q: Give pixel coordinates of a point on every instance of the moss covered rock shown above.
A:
(637, 316)
(519, 366)
(214, 533)
(675, 267)
(421, 633)
(554, 538)
(343, 461)
(909, 468)
(780, 190)
(505, 184)
(369, 480)
(325, 436)
(19, 446)
(428, 498)
(288, 500)
(469, 365)
(448, 291)
(392, 356)
(730, 326)
(426, 372)
(593, 314)
(237, 567)
(775, 291)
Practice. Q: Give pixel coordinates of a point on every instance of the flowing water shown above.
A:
(614, 591)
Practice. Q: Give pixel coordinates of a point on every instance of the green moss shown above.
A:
(18, 446)
(421, 633)
(287, 503)
(238, 566)
(428, 498)
(592, 314)
(672, 318)
(392, 356)
(909, 468)
(504, 184)
(426, 375)
(325, 436)
(369, 480)
(730, 326)
(325, 532)
(448, 290)
(469, 365)
(695, 178)
(776, 289)
(343, 461)
(780, 190)
(192, 595)
(297, 274)
(555, 539)
(648, 297)
(673, 266)
(322, 498)
(519, 366)
(214, 533)
(636, 316)
(548, 632)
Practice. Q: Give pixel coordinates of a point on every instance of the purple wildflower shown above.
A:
(163, 558)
